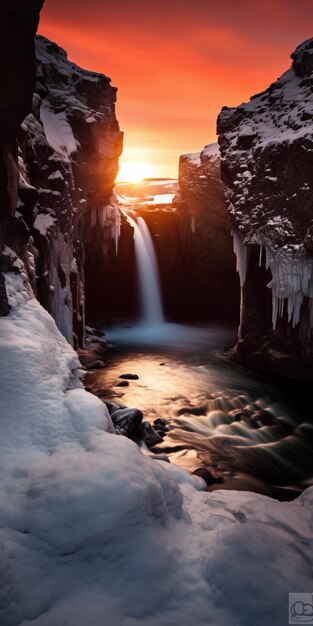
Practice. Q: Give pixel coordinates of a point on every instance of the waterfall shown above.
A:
(152, 329)
(151, 309)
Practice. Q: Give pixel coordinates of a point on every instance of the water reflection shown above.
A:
(220, 416)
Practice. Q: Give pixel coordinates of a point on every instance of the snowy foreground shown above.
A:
(93, 532)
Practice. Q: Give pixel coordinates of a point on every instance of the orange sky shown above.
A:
(177, 62)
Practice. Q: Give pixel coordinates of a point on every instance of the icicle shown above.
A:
(107, 220)
(274, 310)
(116, 231)
(292, 281)
(241, 252)
(260, 257)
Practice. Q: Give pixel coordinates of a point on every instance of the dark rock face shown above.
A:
(19, 22)
(208, 257)
(18, 25)
(267, 167)
(68, 149)
(111, 279)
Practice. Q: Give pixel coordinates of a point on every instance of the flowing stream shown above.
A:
(246, 430)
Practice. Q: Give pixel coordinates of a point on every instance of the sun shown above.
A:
(135, 171)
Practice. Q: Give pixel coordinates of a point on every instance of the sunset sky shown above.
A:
(177, 62)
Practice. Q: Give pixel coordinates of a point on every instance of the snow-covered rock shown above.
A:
(68, 159)
(266, 147)
(93, 531)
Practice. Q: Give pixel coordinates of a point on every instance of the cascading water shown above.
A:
(152, 328)
(151, 309)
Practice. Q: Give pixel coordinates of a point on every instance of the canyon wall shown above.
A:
(267, 167)
(206, 243)
(68, 148)
(18, 25)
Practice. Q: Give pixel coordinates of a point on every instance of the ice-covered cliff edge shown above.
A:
(266, 147)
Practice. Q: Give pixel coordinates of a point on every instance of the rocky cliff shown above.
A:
(18, 25)
(266, 147)
(205, 233)
(68, 149)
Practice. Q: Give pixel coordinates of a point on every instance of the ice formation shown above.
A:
(292, 277)
(241, 252)
(108, 220)
(292, 281)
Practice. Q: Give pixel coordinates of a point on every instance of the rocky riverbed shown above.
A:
(235, 428)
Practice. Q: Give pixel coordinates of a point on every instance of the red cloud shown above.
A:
(177, 63)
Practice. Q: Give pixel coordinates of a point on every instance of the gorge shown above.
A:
(95, 525)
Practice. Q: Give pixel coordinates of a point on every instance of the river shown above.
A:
(247, 431)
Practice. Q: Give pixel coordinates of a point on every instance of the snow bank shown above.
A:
(92, 531)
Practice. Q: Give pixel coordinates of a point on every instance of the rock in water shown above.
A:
(97, 365)
(128, 421)
(160, 424)
(111, 406)
(207, 476)
(123, 383)
(149, 435)
(129, 376)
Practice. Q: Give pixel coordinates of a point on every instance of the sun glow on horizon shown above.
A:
(135, 171)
